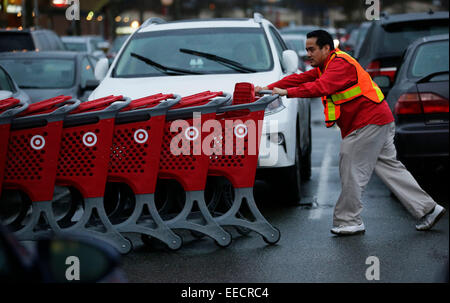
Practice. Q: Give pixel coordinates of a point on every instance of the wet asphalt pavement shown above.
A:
(307, 251)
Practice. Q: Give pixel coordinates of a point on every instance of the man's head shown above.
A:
(319, 44)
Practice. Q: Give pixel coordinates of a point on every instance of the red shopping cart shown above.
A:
(134, 160)
(182, 159)
(236, 158)
(33, 148)
(9, 108)
(87, 137)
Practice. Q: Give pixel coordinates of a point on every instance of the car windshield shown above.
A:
(398, 36)
(430, 58)
(10, 41)
(40, 73)
(76, 46)
(244, 47)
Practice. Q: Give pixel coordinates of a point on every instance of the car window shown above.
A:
(396, 37)
(298, 44)
(279, 44)
(246, 46)
(41, 73)
(43, 42)
(87, 71)
(430, 58)
(5, 83)
(76, 46)
(10, 41)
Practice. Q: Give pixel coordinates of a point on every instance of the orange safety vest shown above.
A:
(364, 87)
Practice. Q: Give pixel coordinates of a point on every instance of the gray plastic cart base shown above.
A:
(104, 231)
(270, 234)
(210, 228)
(32, 231)
(153, 226)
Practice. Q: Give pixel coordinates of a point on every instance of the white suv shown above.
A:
(191, 56)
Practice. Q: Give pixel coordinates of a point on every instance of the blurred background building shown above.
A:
(109, 18)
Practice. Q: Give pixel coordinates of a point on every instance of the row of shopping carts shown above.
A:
(61, 142)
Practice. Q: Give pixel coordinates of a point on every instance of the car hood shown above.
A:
(181, 85)
(43, 94)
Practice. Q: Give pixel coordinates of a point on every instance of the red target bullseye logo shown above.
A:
(37, 142)
(240, 130)
(89, 139)
(140, 136)
(191, 133)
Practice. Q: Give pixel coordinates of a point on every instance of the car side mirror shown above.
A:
(290, 61)
(382, 81)
(101, 69)
(5, 94)
(91, 84)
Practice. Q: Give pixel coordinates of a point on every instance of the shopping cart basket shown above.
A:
(188, 165)
(134, 160)
(33, 149)
(83, 164)
(9, 108)
(236, 158)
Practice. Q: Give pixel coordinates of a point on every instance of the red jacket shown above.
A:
(339, 75)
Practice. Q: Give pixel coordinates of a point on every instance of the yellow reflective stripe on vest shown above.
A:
(349, 94)
(331, 111)
(378, 90)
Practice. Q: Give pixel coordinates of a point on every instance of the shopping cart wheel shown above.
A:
(275, 239)
(131, 246)
(225, 244)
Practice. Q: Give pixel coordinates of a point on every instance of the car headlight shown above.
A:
(274, 107)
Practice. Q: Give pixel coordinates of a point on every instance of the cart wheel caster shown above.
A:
(225, 244)
(130, 247)
(175, 248)
(197, 235)
(275, 239)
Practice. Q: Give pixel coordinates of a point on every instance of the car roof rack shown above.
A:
(257, 17)
(153, 20)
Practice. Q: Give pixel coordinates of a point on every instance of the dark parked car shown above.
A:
(388, 38)
(58, 260)
(419, 100)
(30, 40)
(9, 88)
(44, 75)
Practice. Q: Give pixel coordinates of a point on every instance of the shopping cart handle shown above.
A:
(8, 114)
(258, 105)
(143, 114)
(211, 107)
(265, 92)
(106, 113)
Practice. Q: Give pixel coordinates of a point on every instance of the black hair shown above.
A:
(323, 38)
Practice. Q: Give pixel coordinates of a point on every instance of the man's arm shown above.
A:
(339, 75)
(291, 80)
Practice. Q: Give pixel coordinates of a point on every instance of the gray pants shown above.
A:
(363, 151)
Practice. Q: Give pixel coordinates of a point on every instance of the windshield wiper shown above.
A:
(165, 69)
(224, 61)
(427, 78)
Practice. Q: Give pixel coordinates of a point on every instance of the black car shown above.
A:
(30, 40)
(419, 100)
(381, 51)
(43, 75)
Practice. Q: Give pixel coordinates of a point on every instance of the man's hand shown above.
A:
(259, 88)
(279, 91)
